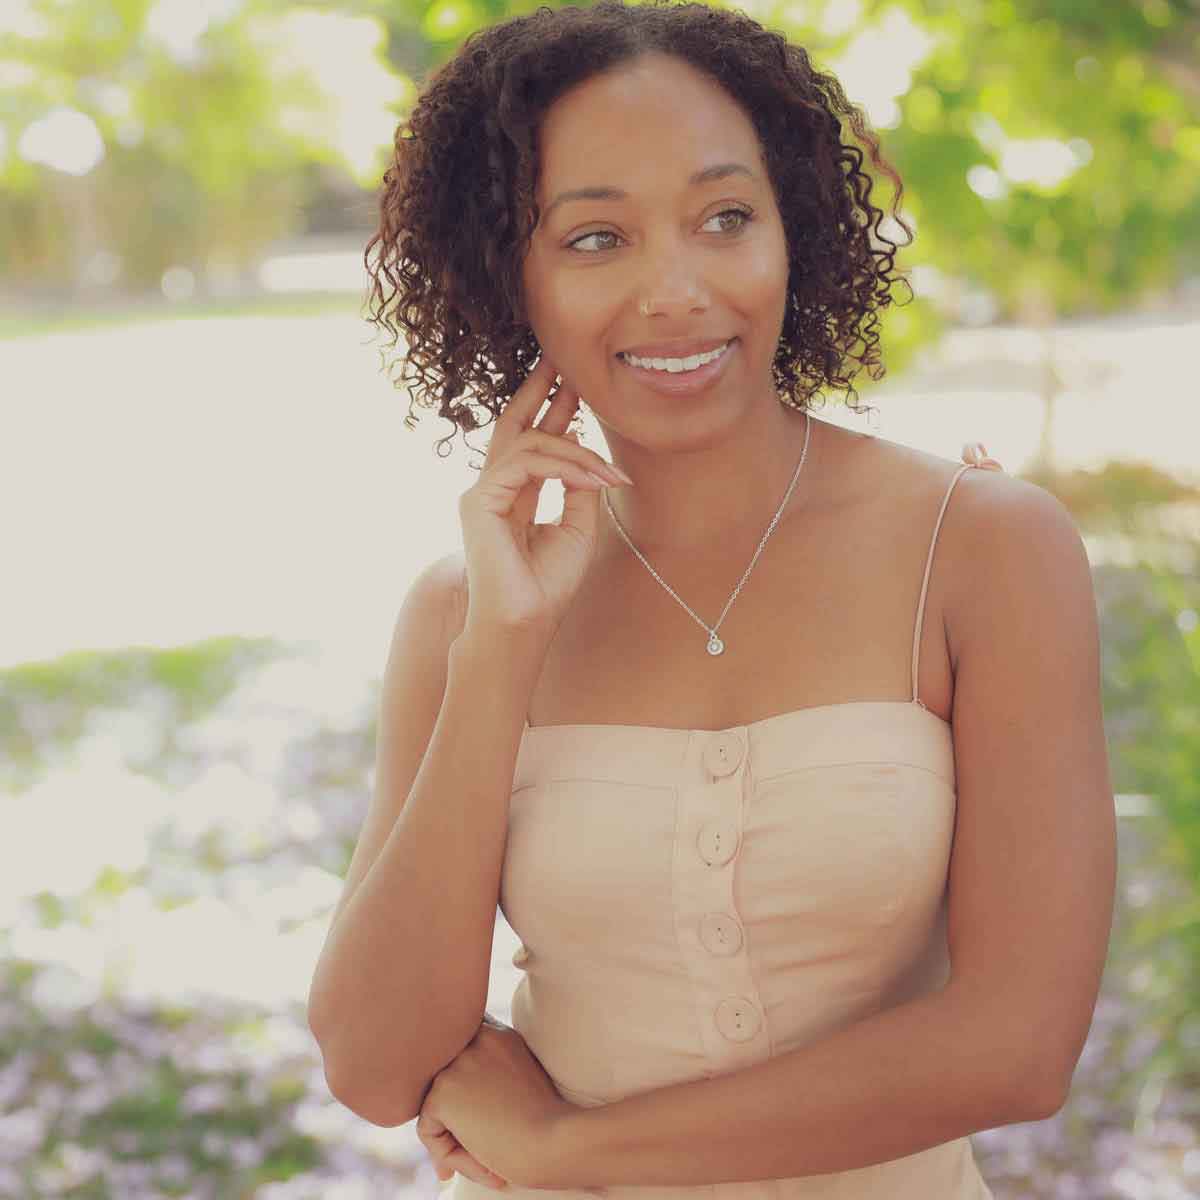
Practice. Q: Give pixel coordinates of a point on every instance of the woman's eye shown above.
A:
(599, 233)
(745, 214)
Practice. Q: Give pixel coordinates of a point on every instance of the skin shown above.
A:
(646, 128)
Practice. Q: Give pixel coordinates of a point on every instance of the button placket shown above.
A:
(727, 1003)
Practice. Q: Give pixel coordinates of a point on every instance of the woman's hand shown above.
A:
(448, 1155)
(521, 574)
(490, 1113)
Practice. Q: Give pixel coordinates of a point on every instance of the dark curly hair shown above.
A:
(457, 207)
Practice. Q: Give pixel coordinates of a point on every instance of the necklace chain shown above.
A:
(715, 644)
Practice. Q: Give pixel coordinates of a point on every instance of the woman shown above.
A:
(808, 836)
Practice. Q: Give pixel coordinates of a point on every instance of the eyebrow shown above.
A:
(705, 175)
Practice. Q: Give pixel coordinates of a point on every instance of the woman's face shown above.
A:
(707, 258)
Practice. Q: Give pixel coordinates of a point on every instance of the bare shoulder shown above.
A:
(995, 526)
(1002, 534)
(994, 516)
(452, 576)
(426, 624)
(433, 612)
(981, 498)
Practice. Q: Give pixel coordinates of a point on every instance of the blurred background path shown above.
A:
(171, 480)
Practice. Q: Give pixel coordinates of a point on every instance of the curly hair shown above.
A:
(457, 208)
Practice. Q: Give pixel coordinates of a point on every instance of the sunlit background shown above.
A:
(212, 510)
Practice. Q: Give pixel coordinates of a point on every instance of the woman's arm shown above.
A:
(901, 1081)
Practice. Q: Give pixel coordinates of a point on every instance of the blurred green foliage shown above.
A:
(1156, 626)
(211, 132)
(132, 1108)
(1108, 206)
(45, 706)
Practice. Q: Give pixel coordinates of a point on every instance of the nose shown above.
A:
(671, 284)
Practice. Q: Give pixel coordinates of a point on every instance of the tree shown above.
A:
(204, 124)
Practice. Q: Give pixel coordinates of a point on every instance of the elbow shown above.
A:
(1027, 1077)
(387, 1107)
(1047, 1099)
(386, 1104)
(1037, 1094)
(1048, 1079)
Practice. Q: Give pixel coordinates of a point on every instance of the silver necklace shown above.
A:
(715, 644)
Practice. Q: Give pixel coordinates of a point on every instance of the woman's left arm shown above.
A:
(1031, 886)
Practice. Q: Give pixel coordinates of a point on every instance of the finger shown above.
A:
(464, 1163)
(581, 509)
(448, 1155)
(564, 404)
(429, 1126)
(528, 399)
(444, 1169)
(528, 465)
(438, 1142)
(569, 448)
(438, 1149)
(522, 407)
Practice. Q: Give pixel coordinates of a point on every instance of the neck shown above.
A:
(721, 491)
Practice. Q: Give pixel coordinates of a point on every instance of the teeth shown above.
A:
(675, 365)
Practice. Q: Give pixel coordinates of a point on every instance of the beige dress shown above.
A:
(691, 902)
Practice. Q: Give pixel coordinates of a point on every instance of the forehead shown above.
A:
(656, 111)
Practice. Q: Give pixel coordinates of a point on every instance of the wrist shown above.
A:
(511, 659)
(511, 645)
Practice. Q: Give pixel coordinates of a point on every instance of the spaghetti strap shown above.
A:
(916, 648)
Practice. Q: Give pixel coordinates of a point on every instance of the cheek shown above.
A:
(577, 301)
(763, 274)
(555, 301)
(575, 320)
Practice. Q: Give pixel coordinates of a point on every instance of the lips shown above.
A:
(680, 349)
(674, 383)
(649, 358)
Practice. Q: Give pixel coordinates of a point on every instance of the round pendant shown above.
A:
(715, 645)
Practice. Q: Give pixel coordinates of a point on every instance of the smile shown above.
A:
(675, 365)
(680, 376)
